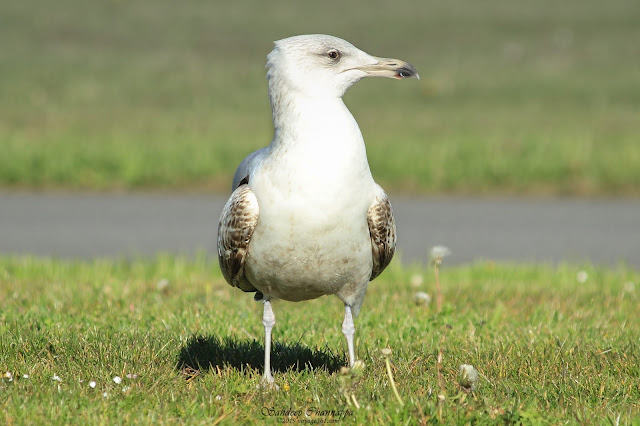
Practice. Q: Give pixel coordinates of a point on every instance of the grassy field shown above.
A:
(525, 97)
(187, 348)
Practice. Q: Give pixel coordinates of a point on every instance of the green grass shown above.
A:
(548, 349)
(526, 97)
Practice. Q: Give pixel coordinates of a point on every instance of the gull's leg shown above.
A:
(349, 330)
(268, 320)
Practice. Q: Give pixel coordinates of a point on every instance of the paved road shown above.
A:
(501, 229)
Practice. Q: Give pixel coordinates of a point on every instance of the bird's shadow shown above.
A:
(202, 353)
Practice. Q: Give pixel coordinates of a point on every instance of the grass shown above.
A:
(537, 97)
(548, 349)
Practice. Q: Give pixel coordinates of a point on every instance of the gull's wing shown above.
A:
(382, 228)
(237, 222)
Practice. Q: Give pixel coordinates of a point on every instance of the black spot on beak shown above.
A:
(404, 72)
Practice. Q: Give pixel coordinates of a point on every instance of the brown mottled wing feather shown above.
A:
(237, 222)
(382, 228)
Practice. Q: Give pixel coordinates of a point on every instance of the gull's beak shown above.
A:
(392, 68)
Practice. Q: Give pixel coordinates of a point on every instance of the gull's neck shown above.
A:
(310, 118)
(317, 143)
(305, 119)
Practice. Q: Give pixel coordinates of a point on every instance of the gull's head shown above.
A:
(322, 65)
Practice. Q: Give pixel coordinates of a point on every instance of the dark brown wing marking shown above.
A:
(382, 228)
(237, 222)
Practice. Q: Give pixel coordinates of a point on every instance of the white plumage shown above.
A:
(306, 218)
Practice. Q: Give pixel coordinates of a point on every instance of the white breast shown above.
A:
(313, 188)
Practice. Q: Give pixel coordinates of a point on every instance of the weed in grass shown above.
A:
(386, 353)
(468, 377)
(436, 254)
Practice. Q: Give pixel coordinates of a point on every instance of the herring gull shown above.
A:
(306, 218)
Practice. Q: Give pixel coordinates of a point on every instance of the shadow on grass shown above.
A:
(204, 352)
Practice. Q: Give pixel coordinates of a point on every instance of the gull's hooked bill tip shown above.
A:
(388, 67)
(407, 73)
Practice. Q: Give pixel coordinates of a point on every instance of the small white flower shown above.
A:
(9, 375)
(468, 376)
(126, 388)
(92, 384)
(416, 280)
(162, 284)
(218, 397)
(25, 376)
(386, 352)
(104, 395)
(422, 298)
(117, 380)
(437, 253)
(132, 376)
(582, 277)
(56, 378)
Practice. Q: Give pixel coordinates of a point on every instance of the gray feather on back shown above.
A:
(245, 167)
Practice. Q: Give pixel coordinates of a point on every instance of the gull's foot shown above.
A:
(267, 383)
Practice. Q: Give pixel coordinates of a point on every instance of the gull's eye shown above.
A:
(333, 54)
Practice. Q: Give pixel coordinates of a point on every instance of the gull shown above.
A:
(305, 218)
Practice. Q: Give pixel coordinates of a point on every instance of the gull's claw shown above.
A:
(267, 383)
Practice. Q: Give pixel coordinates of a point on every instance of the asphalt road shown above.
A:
(603, 231)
